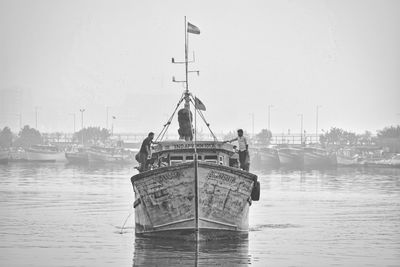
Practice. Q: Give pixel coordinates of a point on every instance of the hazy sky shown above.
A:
(61, 56)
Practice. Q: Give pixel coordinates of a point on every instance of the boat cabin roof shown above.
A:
(188, 146)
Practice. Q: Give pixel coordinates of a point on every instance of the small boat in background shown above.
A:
(347, 157)
(4, 155)
(316, 157)
(46, 153)
(291, 156)
(77, 155)
(266, 157)
(395, 161)
(17, 154)
(103, 154)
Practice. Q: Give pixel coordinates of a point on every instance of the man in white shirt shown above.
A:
(244, 157)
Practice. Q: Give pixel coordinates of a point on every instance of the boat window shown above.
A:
(175, 160)
(221, 160)
(211, 159)
(190, 158)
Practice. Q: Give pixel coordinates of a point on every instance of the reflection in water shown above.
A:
(162, 252)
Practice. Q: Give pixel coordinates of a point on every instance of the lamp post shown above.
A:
(269, 117)
(107, 108)
(82, 110)
(301, 128)
(36, 117)
(112, 125)
(316, 124)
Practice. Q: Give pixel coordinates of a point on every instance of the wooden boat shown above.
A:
(77, 155)
(291, 156)
(266, 157)
(47, 153)
(316, 157)
(193, 189)
(103, 154)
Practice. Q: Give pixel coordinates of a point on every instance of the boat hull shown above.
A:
(100, 157)
(315, 160)
(290, 158)
(268, 158)
(347, 161)
(77, 157)
(45, 156)
(165, 202)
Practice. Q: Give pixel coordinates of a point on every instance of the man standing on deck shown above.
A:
(145, 152)
(244, 157)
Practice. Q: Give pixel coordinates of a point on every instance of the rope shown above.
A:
(166, 125)
(202, 116)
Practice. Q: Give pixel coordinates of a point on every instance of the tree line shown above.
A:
(28, 136)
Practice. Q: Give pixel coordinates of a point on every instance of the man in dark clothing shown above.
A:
(145, 152)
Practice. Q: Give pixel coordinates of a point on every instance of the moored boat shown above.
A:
(267, 157)
(77, 155)
(17, 154)
(193, 190)
(347, 157)
(47, 153)
(291, 156)
(316, 157)
(103, 154)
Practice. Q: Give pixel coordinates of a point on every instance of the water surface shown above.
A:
(66, 215)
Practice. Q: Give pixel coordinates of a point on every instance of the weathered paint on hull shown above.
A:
(165, 202)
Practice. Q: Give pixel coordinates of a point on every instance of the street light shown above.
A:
(301, 128)
(36, 117)
(269, 116)
(112, 125)
(82, 110)
(316, 124)
(107, 108)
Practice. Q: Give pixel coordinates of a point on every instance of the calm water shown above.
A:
(65, 215)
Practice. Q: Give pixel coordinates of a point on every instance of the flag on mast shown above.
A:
(193, 29)
(199, 104)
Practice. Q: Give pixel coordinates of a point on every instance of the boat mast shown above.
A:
(187, 106)
(187, 98)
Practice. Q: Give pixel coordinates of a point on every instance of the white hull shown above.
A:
(347, 161)
(165, 204)
(45, 156)
(99, 157)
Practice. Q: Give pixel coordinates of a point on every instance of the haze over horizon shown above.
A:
(61, 56)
